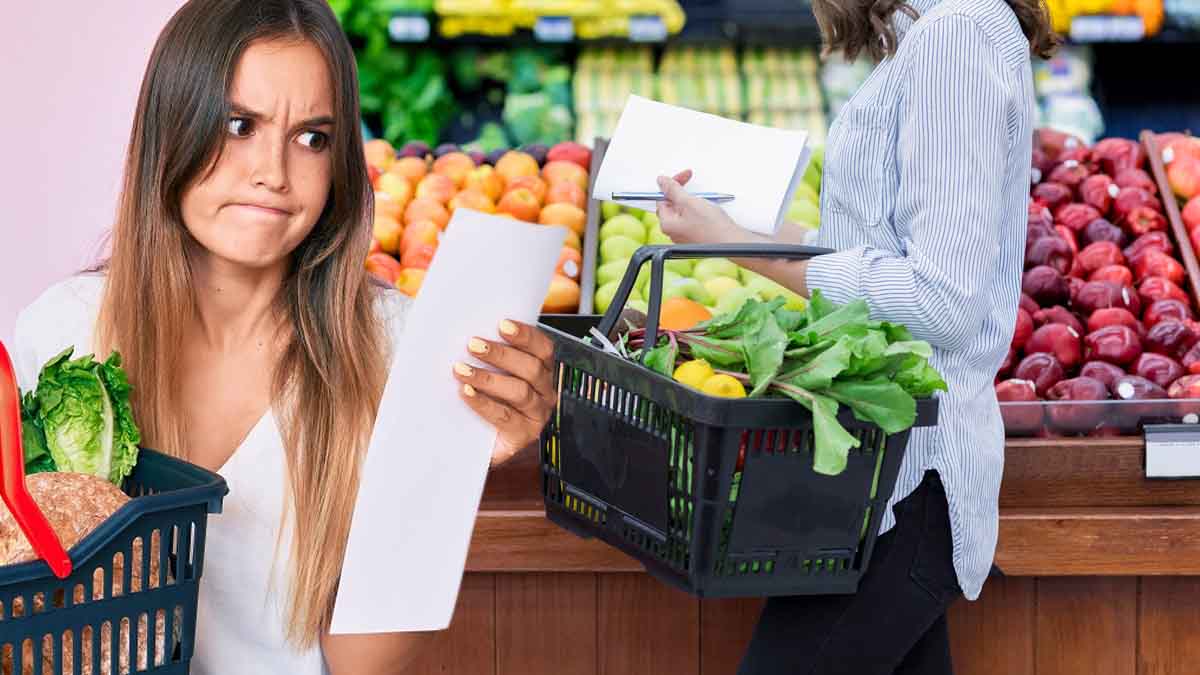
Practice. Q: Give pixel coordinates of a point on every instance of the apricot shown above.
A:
(485, 180)
(472, 199)
(379, 153)
(409, 281)
(532, 183)
(561, 170)
(412, 168)
(515, 164)
(418, 256)
(423, 208)
(387, 206)
(437, 187)
(420, 232)
(570, 263)
(568, 215)
(520, 204)
(383, 266)
(563, 296)
(566, 192)
(397, 187)
(387, 231)
(455, 166)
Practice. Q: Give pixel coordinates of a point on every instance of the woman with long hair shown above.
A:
(923, 201)
(255, 341)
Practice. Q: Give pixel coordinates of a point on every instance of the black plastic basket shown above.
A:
(156, 542)
(649, 466)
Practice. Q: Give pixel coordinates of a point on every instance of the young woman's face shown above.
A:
(269, 186)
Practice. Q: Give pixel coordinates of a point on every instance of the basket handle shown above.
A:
(658, 255)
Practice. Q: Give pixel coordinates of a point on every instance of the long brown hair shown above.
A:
(330, 377)
(853, 27)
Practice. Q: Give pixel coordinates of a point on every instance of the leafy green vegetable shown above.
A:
(823, 358)
(79, 418)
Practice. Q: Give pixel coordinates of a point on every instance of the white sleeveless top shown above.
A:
(240, 625)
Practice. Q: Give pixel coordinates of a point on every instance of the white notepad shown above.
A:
(760, 166)
(428, 456)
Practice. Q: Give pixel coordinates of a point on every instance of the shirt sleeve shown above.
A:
(952, 145)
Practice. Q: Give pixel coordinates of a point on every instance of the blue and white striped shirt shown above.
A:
(924, 198)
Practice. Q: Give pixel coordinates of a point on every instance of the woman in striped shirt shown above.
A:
(924, 201)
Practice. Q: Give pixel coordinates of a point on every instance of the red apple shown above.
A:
(1050, 251)
(1130, 198)
(1102, 230)
(1159, 369)
(1076, 216)
(1114, 155)
(1117, 274)
(1074, 286)
(1114, 316)
(1100, 254)
(1042, 369)
(1026, 415)
(1039, 215)
(1187, 386)
(1158, 288)
(1194, 236)
(1051, 195)
(1071, 173)
(1046, 285)
(1166, 309)
(1028, 304)
(1024, 329)
(1158, 240)
(1006, 366)
(1191, 360)
(1077, 417)
(1115, 344)
(1098, 191)
(1101, 370)
(1061, 341)
(1155, 263)
(1135, 178)
(1058, 314)
(1170, 338)
(1143, 219)
(1103, 294)
(1184, 176)
(1068, 235)
(1054, 143)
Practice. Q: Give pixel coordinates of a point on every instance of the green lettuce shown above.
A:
(79, 419)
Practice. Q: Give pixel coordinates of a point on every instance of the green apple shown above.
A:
(707, 268)
(747, 276)
(633, 211)
(639, 305)
(806, 212)
(643, 285)
(733, 300)
(688, 288)
(767, 290)
(609, 210)
(658, 238)
(717, 287)
(681, 266)
(605, 294)
(618, 247)
(623, 225)
(613, 270)
(651, 219)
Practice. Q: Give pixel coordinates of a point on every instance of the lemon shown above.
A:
(694, 373)
(724, 386)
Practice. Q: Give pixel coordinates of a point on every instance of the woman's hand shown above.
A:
(688, 219)
(517, 401)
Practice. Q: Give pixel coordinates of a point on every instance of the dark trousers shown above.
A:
(894, 625)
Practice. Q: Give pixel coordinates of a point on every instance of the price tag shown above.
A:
(647, 28)
(1105, 28)
(554, 29)
(1173, 450)
(409, 28)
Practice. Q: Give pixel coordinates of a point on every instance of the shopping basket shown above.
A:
(129, 604)
(717, 497)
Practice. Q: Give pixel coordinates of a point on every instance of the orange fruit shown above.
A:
(679, 313)
(563, 296)
(568, 215)
(532, 183)
(570, 263)
(566, 192)
(424, 208)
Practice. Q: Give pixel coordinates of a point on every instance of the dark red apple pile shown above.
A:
(1104, 314)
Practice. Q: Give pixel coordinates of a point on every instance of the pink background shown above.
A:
(70, 79)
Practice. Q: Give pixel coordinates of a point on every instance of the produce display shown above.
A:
(823, 357)
(1105, 314)
(418, 189)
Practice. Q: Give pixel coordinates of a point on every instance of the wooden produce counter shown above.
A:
(1097, 563)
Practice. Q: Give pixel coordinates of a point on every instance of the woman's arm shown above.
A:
(376, 654)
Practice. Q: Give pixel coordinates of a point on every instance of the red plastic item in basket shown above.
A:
(12, 476)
